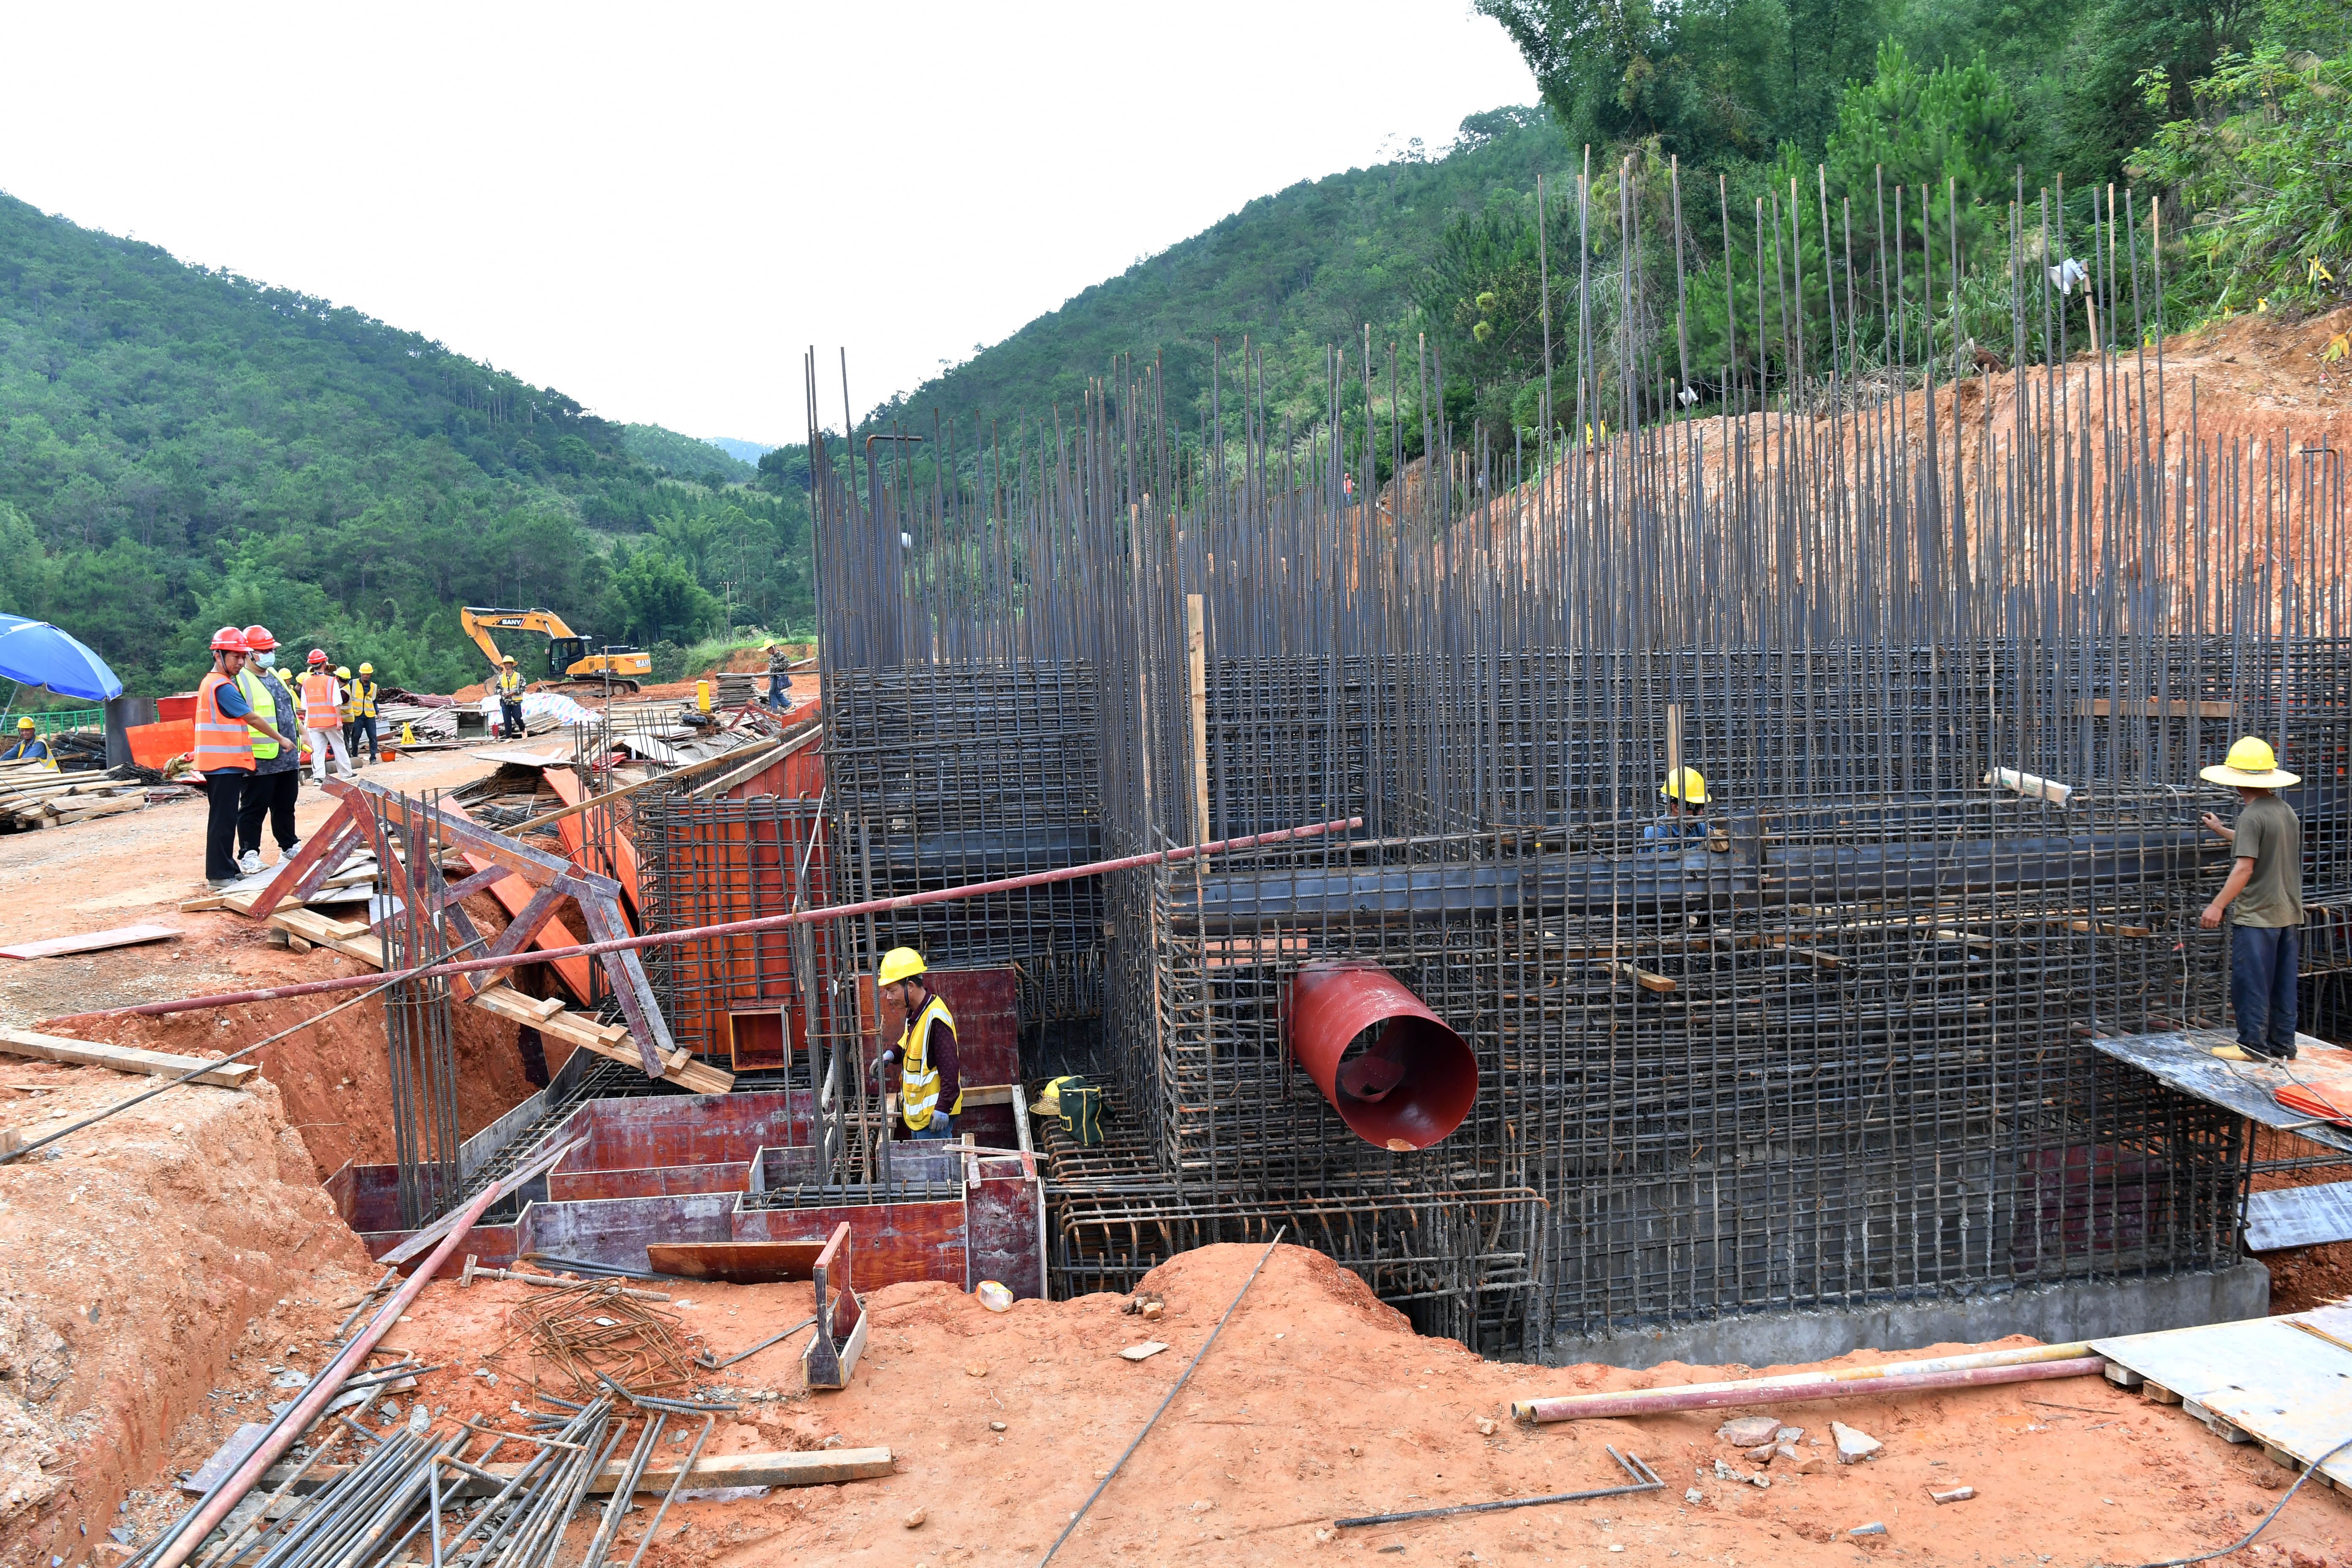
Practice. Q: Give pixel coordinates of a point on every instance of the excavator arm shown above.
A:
(478, 620)
(568, 657)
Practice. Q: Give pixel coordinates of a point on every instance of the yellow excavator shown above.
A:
(569, 657)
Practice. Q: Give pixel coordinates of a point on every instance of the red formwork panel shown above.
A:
(987, 1007)
(744, 869)
(663, 1131)
(898, 1243)
(658, 1181)
(612, 855)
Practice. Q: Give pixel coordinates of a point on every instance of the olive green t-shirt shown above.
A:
(2270, 835)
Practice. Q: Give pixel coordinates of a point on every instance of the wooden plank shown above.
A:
(516, 893)
(2149, 708)
(92, 941)
(343, 936)
(507, 1001)
(734, 1262)
(2102, 927)
(678, 1066)
(121, 1059)
(1665, 984)
(76, 811)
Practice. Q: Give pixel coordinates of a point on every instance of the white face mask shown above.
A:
(267, 660)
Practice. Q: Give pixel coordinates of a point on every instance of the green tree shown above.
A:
(2261, 167)
(656, 599)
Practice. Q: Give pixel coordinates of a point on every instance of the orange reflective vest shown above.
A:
(319, 710)
(221, 742)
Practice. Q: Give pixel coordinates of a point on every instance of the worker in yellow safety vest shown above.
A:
(276, 786)
(29, 746)
(322, 718)
(930, 1090)
(360, 709)
(510, 686)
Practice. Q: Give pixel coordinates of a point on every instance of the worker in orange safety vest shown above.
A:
(323, 719)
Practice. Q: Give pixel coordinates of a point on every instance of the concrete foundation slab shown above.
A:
(2053, 1313)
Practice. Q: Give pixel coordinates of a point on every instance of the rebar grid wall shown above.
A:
(422, 1049)
(1826, 1053)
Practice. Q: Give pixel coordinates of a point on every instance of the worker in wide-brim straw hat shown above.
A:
(930, 1090)
(2263, 899)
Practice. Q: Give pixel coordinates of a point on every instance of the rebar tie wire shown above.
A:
(1112, 1474)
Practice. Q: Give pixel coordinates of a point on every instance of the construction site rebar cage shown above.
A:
(1950, 673)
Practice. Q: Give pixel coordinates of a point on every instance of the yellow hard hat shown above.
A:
(26, 723)
(2252, 764)
(367, 669)
(344, 671)
(1687, 785)
(506, 659)
(900, 963)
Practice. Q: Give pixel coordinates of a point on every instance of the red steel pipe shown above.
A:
(1408, 1089)
(729, 927)
(322, 1390)
(1783, 1391)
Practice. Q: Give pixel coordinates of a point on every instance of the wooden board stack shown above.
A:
(35, 795)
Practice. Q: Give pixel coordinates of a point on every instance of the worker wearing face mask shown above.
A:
(277, 782)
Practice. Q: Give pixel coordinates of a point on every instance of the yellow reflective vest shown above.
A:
(511, 683)
(362, 700)
(918, 1080)
(265, 707)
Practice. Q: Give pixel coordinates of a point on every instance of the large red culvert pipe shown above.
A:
(1393, 1070)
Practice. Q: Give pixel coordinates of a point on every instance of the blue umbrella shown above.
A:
(35, 652)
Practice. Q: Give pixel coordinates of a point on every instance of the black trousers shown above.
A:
(510, 716)
(362, 741)
(272, 795)
(225, 794)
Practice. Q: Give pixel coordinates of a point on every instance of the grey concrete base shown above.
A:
(2052, 1313)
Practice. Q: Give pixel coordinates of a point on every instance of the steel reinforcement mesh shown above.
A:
(943, 775)
(1949, 664)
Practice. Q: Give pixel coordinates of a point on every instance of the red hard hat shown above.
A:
(229, 639)
(258, 639)
(318, 656)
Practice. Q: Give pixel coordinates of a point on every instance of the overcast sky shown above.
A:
(655, 208)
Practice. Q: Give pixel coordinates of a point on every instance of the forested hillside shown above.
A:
(182, 448)
(2232, 110)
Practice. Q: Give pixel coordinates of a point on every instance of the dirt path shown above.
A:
(121, 870)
